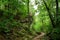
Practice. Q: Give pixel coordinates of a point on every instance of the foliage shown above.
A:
(24, 19)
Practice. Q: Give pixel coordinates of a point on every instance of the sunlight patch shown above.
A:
(35, 7)
(32, 2)
(37, 13)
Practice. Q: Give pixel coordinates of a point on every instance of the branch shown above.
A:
(52, 21)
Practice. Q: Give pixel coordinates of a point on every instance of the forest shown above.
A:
(29, 19)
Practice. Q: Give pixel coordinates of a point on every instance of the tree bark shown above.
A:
(57, 14)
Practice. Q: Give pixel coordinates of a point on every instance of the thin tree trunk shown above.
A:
(56, 12)
(51, 17)
(28, 6)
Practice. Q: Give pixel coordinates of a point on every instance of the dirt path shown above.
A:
(38, 37)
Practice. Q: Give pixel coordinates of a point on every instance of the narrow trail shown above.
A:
(38, 37)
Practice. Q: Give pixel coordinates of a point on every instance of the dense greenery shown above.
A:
(25, 19)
